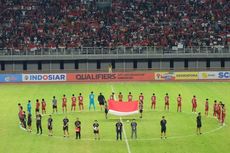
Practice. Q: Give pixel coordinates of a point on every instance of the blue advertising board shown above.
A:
(10, 77)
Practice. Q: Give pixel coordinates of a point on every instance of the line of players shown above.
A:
(219, 110)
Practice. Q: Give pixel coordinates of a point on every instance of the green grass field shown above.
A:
(181, 127)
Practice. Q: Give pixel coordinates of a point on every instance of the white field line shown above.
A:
(126, 140)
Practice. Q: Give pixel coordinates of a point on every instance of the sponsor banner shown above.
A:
(44, 77)
(220, 75)
(164, 76)
(103, 77)
(10, 78)
(123, 108)
(186, 75)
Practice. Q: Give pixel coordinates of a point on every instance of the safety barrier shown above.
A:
(115, 76)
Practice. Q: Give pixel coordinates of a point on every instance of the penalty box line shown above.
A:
(126, 140)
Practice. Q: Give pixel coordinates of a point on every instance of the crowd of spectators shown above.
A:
(83, 23)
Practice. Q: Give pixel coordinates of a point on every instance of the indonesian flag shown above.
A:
(123, 108)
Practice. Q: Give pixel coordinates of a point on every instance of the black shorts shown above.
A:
(95, 131)
(101, 103)
(65, 128)
(106, 111)
(37, 110)
(50, 127)
(163, 129)
(29, 123)
(141, 110)
(199, 125)
(54, 106)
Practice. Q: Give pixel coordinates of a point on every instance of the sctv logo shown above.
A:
(224, 75)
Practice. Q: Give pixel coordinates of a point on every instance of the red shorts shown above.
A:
(166, 103)
(153, 102)
(43, 108)
(179, 104)
(194, 106)
(73, 104)
(80, 103)
(206, 109)
(63, 105)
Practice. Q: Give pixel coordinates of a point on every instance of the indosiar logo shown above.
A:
(224, 75)
(45, 77)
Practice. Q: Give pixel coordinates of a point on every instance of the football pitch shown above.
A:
(181, 127)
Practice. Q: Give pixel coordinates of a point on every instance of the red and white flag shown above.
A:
(123, 108)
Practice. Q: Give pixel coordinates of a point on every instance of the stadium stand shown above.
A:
(35, 24)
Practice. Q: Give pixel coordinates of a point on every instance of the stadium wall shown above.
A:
(119, 65)
(116, 76)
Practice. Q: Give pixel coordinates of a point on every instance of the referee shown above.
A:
(163, 123)
(199, 124)
(134, 129)
(39, 122)
(119, 129)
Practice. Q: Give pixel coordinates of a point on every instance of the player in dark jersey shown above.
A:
(74, 102)
(199, 123)
(29, 122)
(163, 123)
(106, 110)
(119, 126)
(50, 125)
(43, 106)
(96, 130)
(39, 122)
(101, 100)
(66, 127)
(133, 129)
(54, 103)
(130, 97)
(78, 128)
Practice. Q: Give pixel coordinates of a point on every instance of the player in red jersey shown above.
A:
(219, 111)
(130, 97)
(73, 106)
(43, 106)
(206, 107)
(167, 101)
(153, 99)
(215, 108)
(179, 102)
(112, 96)
(64, 104)
(223, 114)
(80, 100)
(194, 104)
(120, 97)
(141, 98)
(37, 109)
